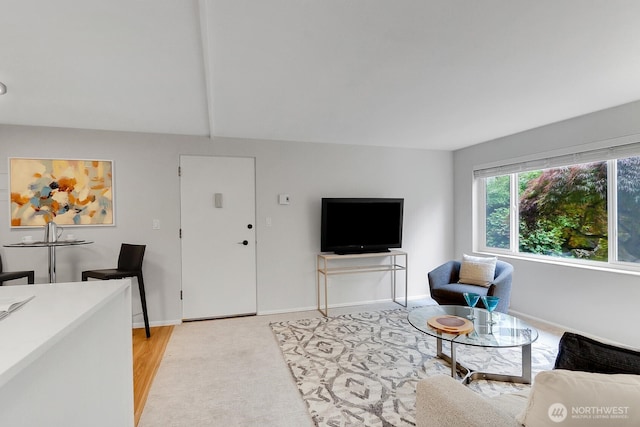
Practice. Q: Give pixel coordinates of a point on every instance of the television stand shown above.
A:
(325, 269)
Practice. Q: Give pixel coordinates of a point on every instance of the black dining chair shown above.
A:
(11, 275)
(129, 265)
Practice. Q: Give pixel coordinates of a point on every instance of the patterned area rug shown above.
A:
(362, 369)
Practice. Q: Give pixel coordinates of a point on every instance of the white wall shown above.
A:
(598, 303)
(147, 187)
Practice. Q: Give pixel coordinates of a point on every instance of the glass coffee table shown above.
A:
(507, 331)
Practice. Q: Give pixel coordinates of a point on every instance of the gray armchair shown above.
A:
(445, 289)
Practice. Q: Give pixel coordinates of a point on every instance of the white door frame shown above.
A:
(218, 236)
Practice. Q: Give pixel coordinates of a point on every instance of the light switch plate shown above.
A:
(283, 199)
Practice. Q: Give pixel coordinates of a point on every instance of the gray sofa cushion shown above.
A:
(579, 353)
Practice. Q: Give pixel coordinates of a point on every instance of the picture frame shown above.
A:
(69, 192)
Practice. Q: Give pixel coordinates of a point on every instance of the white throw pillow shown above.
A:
(574, 398)
(477, 270)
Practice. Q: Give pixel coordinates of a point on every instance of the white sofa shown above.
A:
(588, 375)
(442, 401)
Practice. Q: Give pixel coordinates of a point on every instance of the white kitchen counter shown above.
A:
(66, 355)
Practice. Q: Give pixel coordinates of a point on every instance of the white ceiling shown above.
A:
(437, 74)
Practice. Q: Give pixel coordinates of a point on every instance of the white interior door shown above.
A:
(217, 205)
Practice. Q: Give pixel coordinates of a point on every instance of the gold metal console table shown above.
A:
(394, 257)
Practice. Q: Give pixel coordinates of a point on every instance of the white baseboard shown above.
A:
(286, 310)
(137, 325)
(140, 324)
(339, 305)
(565, 328)
(525, 316)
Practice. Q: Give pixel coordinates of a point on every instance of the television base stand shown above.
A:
(394, 264)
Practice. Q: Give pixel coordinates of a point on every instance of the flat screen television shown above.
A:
(361, 225)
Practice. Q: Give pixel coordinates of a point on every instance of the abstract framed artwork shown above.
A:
(67, 192)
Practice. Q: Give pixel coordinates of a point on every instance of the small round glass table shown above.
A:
(52, 251)
(490, 330)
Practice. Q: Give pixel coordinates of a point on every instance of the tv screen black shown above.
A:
(360, 225)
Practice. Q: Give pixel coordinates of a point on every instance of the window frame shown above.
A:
(480, 223)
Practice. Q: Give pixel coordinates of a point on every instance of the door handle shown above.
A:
(244, 242)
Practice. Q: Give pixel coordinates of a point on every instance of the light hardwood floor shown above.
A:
(147, 355)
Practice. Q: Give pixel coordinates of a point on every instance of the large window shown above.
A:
(628, 209)
(582, 212)
(497, 212)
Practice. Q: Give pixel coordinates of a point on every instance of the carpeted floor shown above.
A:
(231, 372)
(226, 372)
(361, 369)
